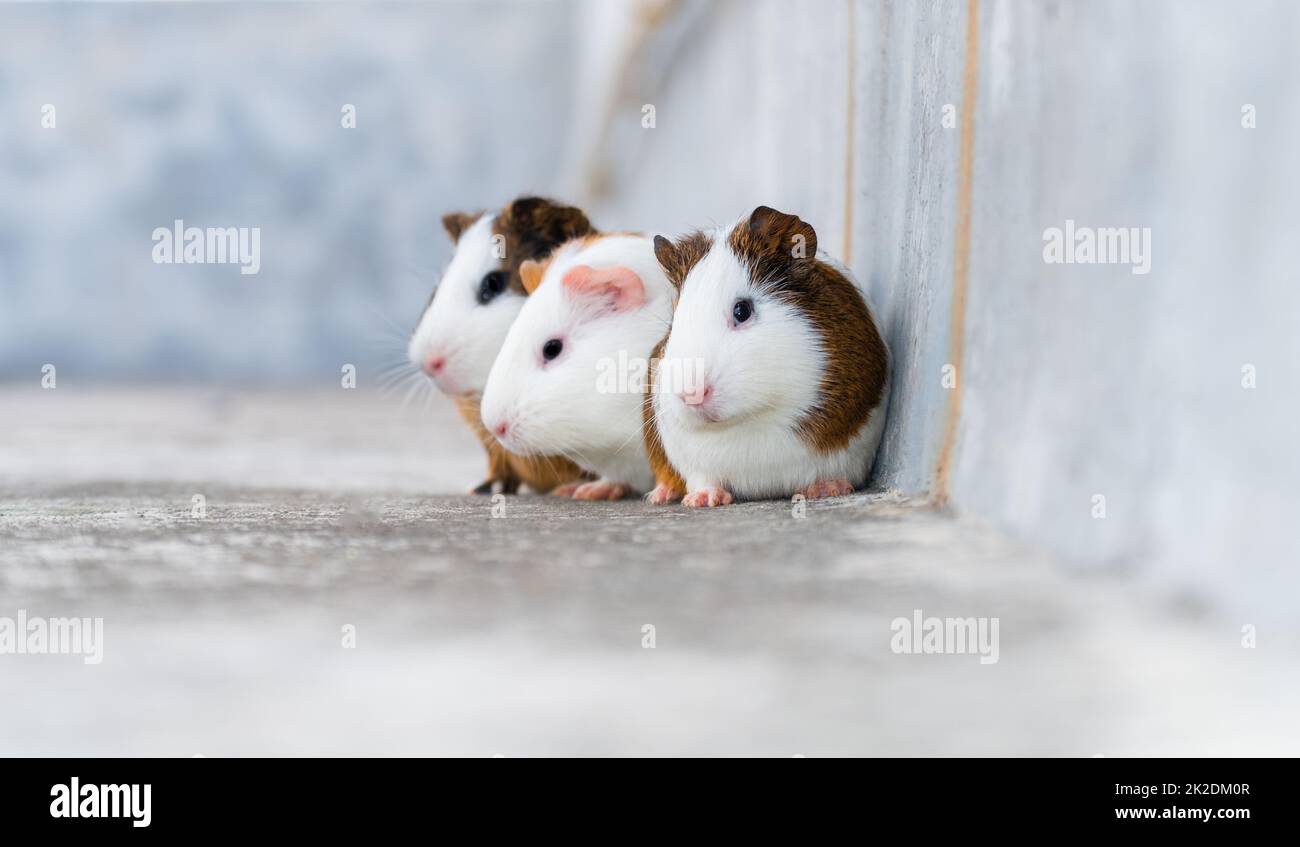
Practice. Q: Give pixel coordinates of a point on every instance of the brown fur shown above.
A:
(532, 228)
(857, 361)
(678, 258)
(457, 222)
(665, 474)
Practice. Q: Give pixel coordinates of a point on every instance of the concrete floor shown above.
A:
(522, 633)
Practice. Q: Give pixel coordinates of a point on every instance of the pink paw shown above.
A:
(566, 490)
(708, 498)
(827, 488)
(663, 494)
(602, 490)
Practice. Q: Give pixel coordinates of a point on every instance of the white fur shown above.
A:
(765, 376)
(557, 407)
(468, 334)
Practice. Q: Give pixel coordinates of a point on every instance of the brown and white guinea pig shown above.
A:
(471, 310)
(571, 374)
(774, 378)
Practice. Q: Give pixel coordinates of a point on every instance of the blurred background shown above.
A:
(231, 114)
(930, 144)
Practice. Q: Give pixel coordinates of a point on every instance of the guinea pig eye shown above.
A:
(552, 348)
(492, 284)
(742, 311)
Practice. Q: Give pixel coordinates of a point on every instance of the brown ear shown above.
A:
(534, 226)
(668, 258)
(531, 273)
(456, 223)
(776, 236)
(677, 258)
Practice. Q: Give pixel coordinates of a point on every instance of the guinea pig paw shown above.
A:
(663, 494)
(485, 487)
(601, 490)
(566, 490)
(708, 498)
(827, 488)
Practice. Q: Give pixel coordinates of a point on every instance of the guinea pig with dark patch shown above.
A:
(471, 310)
(773, 380)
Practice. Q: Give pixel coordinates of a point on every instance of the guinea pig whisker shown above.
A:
(387, 322)
(636, 431)
(396, 373)
(392, 389)
(574, 456)
(545, 460)
(426, 390)
(395, 367)
(411, 392)
(397, 376)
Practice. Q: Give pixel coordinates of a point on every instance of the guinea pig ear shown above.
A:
(775, 237)
(666, 253)
(616, 288)
(677, 258)
(456, 223)
(531, 273)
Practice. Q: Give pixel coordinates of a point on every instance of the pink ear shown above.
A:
(620, 287)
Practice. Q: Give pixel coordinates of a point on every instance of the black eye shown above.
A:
(492, 285)
(742, 311)
(552, 348)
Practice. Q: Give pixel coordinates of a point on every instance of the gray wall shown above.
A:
(1074, 380)
(229, 114)
(1085, 380)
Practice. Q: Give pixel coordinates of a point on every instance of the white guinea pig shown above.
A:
(472, 309)
(774, 379)
(597, 307)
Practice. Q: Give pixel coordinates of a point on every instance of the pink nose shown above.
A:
(501, 429)
(698, 395)
(434, 365)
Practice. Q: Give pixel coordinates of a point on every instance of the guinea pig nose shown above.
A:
(434, 364)
(501, 429)
(698, 395)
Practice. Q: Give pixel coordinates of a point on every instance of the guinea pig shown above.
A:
(571, 374)
(470, 312)
(774, 378)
